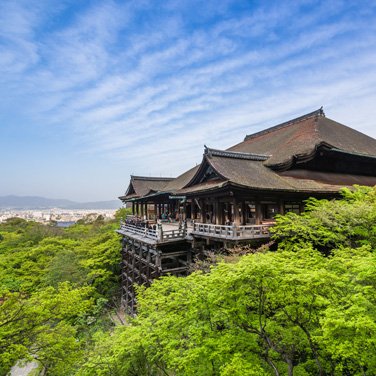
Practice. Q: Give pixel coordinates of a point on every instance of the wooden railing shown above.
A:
(139, 230)
(157, 233)
(231, 232)
(180, 232)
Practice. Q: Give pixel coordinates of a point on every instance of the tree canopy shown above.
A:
(306, 308)
(331, 224)
(54, 284)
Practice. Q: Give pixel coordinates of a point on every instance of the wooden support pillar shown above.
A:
(133, 208)
(139, 266)
(142, 211)
(243, 222)
(216, 213)
(221, 220)
(193, 208)
(280, 207)
(189, 258)
(258, 212)
(203, 211)
(227, 213)
(137, 209)
(236, 212)
(158, 263)
(146, 211)
(147, 272)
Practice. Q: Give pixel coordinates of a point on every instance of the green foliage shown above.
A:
(298, 312)
(122, 213)
(307, 309)
(327, 225)
(55, 285)
(65, 266)
(33, 325)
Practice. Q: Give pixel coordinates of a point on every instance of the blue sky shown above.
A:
(92, 91)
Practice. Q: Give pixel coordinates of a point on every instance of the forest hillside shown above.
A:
(306, 308)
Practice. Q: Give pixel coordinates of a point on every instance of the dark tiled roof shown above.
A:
(206, 186)
(330, 177)
(145, 186)
(302, 136)
(142, 185)
(255, 175)
(235, 154)
(313, 114)
(181, 180)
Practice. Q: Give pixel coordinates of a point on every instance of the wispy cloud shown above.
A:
(148, 84)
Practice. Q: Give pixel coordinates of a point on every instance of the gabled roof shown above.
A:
(143, 185)
(248, 170)
(207, 168)
(181, 181)
(300, 138)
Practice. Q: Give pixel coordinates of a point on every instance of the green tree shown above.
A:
(273, 313)
(34, 325)
(296, 311)
(55, 285)
(328, 225)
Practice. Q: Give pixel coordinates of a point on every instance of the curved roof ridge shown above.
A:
(353, 153)
(316, 113)
(235, 154)
(134, 177)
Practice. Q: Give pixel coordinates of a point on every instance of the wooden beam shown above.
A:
(243, 219)
(173, 254)
(258, 212)
(236, 212)
(175, 270)
(203, 211)
(216, 213)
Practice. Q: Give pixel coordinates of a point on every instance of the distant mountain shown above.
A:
(35, 202)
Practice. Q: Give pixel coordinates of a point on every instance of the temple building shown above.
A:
(233, 195)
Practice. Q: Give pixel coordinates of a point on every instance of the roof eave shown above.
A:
(229, 184)
(205, 159)
(297, 158)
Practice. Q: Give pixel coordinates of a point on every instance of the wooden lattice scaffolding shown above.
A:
(143, 261)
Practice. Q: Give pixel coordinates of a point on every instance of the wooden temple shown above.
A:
(233, 195)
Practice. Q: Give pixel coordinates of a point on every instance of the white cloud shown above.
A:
(144, 88)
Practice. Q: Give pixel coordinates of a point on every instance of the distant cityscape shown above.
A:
(56, 215)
